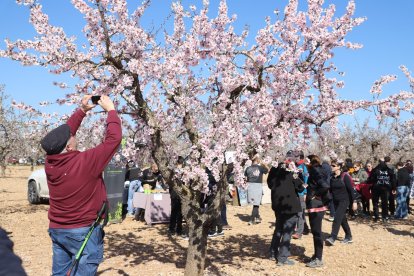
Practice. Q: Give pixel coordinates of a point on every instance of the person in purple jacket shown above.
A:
(77, 190)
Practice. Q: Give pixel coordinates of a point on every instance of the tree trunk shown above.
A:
(197, 248)
(3, 168)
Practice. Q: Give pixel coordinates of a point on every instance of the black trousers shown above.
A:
(391, 202)
(383, 193)
(340, 219)
(176, 218)
(285, 225)
(315, 221)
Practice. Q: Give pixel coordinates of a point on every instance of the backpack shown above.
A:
(383, 178)
(355, 193)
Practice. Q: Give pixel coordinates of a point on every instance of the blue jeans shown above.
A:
(134, 186)
(402, 208)
(67, 242)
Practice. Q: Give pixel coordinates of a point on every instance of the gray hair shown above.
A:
(326, 158)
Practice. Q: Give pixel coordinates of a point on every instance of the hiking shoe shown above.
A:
(185, 237)
(212, 234)
(220, 233)
(347, 241)
(385, 220)
(331, 219)
(297, 236)
(309, 259)
(330, 241)
(286, 262)
(315, 263)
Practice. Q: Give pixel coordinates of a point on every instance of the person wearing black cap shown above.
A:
(76, 188)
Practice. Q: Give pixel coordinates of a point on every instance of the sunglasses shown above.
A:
(334, 166)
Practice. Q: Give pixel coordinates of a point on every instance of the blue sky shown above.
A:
(387, 36)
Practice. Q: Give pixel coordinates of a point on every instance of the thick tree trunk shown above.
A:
(197, 248)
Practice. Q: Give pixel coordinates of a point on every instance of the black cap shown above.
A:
(290, 154)
(294, 154)
(55, 141)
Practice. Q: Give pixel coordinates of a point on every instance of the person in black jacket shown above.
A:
(285, 185)
(383, 179)
(316, 204)
(342, 193)
(152, 176)
(403, 184)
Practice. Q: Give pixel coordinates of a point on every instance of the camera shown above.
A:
(95, 99)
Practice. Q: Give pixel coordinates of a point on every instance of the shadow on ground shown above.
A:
(391, 226)
(230, 250)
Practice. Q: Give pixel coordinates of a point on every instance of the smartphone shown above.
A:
(95, 99)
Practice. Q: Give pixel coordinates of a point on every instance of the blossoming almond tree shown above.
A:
(17, 137)
(204, 85)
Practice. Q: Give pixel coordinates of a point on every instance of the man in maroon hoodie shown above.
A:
(77, 190)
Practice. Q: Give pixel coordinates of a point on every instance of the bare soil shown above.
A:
(133, 248)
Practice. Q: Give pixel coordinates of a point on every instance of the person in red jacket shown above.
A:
(77, 190)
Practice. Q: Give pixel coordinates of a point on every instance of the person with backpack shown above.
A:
(317, 200)
(327, 172)
(343, 195)
(383, 179)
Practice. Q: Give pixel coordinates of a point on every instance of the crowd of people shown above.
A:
(309, 185)
(344, 188)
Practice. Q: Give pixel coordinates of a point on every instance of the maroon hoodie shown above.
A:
(76, 186)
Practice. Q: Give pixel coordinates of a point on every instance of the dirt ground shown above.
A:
(132, 248)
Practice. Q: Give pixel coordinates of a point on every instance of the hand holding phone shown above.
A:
(95, 99)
